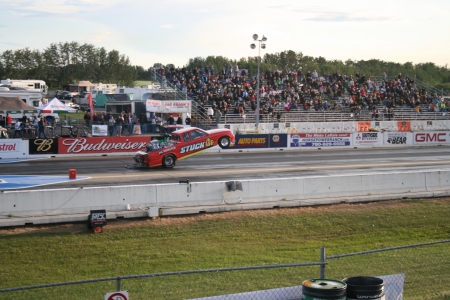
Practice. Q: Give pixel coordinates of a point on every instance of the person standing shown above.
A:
(144, 122)
(41, 127)
(36, 125)
(187, 121)
(111, 123)
(8, 121)
(218, 115)
(119, 123)
(18, 129)
(87, 118)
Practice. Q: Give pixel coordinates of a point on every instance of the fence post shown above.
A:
(118, 283)
(322, 259)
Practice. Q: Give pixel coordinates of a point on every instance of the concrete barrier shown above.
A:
(66, 205)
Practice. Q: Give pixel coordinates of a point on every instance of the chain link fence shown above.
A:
(424, 270)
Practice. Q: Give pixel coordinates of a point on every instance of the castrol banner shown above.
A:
(101, 145)
(367, 139)
(431, 138)
(320, 140)
(9, 146)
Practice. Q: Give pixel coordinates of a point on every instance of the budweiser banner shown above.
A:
(43, 146)
(99, 145)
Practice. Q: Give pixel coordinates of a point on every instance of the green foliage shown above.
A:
(66, 63)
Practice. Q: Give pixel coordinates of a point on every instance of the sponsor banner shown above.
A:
(322, 140)
(99, 130)
(153, 105)
(43, 146)
(252, 141)
(431, 138)
(363, 126)
(137, 129)
(367, 138)
(397, 138)
(101, 145)
(167, 106)
(176, 106)
(278, 140)
(9, 146)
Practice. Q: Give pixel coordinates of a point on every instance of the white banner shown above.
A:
(182, 106)
(397, 138)
(153, 105)
(431, 138)
(8, 146)
(367, 138)
(176, 106)
(309, 140)
(99, 130)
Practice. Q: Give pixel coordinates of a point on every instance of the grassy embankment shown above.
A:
(70, 252)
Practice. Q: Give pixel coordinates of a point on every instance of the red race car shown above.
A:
(182, 144)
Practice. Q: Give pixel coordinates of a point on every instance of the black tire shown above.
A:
(224, 142)
(169, 161)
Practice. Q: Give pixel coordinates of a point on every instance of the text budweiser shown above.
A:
(81, 144)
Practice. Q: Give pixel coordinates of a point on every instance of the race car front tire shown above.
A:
(224, 142)
(169, 161)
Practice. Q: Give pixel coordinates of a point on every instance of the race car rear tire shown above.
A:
(224, 142)
(169, 161)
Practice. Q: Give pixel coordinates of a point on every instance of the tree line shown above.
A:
(64, 63)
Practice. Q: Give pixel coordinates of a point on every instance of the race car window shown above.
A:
(186, 137)
(175, 137)
(196, 134)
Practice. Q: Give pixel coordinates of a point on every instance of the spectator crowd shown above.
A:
(231, 90)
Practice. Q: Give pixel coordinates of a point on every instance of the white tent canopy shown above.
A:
(55, 106)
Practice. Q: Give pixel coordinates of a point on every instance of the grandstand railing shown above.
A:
(330, 116)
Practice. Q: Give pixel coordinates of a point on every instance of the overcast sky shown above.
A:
(173, 31)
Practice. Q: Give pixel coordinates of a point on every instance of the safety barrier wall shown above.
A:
(301, 190)
(16, 148)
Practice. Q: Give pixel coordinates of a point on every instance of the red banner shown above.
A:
(91, 106)
(97, 145)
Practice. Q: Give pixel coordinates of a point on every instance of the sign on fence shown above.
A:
(320, 140)
(122, 295)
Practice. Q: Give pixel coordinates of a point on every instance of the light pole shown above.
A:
(253, 46)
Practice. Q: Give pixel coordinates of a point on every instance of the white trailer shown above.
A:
(31, 98)
(31, 85)
(139, 93)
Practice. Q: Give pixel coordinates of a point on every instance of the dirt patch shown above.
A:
(182, 220)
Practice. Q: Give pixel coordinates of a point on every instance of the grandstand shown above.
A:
(289, 98)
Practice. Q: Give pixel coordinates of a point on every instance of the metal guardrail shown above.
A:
(329, 116)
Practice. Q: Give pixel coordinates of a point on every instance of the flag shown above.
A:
(91, 106)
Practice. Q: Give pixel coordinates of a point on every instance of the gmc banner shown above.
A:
(43, 146)
(431, 138)
(101, 145)
(308, 140)
(252, 141)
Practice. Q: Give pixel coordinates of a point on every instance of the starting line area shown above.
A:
(9, 182)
